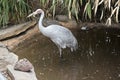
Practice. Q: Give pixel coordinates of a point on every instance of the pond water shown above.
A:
(98, 56)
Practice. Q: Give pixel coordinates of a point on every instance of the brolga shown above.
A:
(60, 35)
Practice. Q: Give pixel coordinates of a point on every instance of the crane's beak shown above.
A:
(32, 14)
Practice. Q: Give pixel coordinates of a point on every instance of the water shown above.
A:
(98, 56)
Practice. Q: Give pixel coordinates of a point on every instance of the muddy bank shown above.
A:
(15, 35)
(14, 41)
(15, 30)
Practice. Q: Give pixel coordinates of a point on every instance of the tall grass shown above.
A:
(13, 11)
(60, 6)
(86, 10)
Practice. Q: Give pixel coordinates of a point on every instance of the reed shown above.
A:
(87, 10)
(13, 11)
(107, 11)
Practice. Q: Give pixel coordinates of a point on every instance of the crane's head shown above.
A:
(38, 11)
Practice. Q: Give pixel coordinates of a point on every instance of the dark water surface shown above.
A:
(98, 56)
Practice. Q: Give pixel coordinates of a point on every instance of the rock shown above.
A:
(2, 45)
(6, 57)
(47, 22)
(2, 77)
(19, 75)
(15, 30)
(23, 65)
(62, 18)
(11, 58)
(3, 52)
(84, 28)
(3, 65)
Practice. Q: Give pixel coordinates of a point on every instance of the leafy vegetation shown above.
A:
(86, 10)
(14, 11)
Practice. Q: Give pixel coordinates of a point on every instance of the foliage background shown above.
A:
(15, 11)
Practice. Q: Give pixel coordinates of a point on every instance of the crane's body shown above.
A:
(60, 35)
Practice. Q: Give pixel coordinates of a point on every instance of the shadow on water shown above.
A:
(98, 56)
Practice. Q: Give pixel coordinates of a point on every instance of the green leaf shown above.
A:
(89, 10)
(81, 2)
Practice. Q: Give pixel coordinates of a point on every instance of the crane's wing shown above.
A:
(54, 31)
(61, 36)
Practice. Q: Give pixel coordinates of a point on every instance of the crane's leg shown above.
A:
(62, 59)
(60, 50)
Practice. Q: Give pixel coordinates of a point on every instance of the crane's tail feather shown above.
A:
(75, 46)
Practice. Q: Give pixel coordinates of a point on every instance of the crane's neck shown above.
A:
(41, 27)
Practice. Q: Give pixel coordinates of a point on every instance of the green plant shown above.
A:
(13, 11)
(100, 10)
(113, 11)
(71, 6)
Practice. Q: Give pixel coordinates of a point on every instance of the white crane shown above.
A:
(60, 35)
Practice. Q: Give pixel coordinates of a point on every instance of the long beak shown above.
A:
(32, 14)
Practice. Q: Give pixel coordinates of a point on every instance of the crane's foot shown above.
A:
(62, 59)
(61, 56)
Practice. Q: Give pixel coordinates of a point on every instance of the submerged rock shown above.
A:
(84, 28)
(23, 65)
